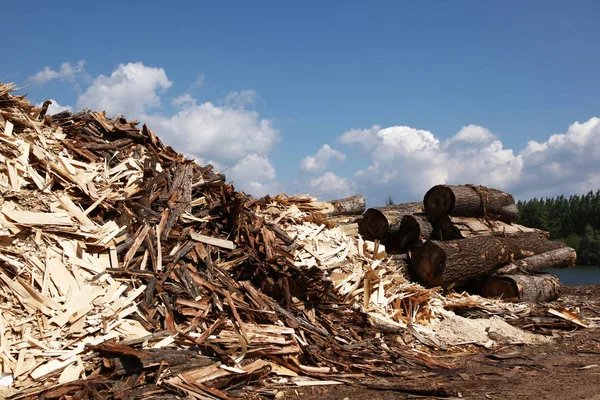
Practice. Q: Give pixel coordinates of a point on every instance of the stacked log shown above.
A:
(523, 288)
(383, 223)
(467, 235)
(455, 262)
(353, 205)
(470, 201)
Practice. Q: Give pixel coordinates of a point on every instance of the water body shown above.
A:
(580, 275)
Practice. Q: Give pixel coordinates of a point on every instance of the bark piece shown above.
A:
(560, 258)
(524, 288)
(470, 201)
(451, 263)
(379, 222)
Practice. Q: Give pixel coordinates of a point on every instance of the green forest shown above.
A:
(574, 220)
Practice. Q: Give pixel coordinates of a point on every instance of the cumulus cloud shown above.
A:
(330, 186)
(185, 99)
(130, 90)
(241, 99)
(367, 138)
(565, 163)
(222, 133)
(320, 161)
(67, 72)
(404, 162)
(254, 174)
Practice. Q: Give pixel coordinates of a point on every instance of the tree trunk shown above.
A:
(377, 223)
(451, 263)
(354, 205)
(461, 227)
(524, 288)
(559, 258)
(470, 201)
(413, 229)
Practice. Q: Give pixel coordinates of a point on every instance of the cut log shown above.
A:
(454, 262)
(377, 223)
(399, 263)
(452, 228)
(354, 205)
(470, 201)
(412, 230)
(523, 288)
(560, 258)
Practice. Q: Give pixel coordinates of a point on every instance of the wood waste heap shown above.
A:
(128, 271)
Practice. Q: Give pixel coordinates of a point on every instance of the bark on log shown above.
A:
(559, 258)
(353, 205)
(470, 201)
(523, 288)
(454, 262)
(399, 263)
(461, 227)
(377, 223)
(412, 230)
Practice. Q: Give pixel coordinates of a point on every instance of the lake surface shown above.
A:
(580, 275)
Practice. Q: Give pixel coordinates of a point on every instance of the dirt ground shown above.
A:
(567, 368)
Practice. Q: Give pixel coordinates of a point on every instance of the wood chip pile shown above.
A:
(127, 271)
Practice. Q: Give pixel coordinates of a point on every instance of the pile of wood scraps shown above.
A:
(127, 270)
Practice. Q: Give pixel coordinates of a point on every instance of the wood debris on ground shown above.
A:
(127, 270)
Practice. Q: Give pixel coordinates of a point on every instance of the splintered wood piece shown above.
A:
(141, 235)
(37, 218)
(8, 128)
(75, 211)
(226, 244)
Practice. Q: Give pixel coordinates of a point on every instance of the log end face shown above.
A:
(427, 264)
(439, 201)
(374, 225)
(500, 288)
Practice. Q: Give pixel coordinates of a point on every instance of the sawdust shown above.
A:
(456, 330)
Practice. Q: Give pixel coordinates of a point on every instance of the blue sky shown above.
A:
(508, 72)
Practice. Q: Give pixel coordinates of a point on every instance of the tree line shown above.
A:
(574, 220)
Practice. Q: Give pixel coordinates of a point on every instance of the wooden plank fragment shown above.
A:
(37, 218)
(226, 244)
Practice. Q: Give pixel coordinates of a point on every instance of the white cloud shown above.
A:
(254, 174)
(55, 107)
(405, 162)
(130, 90)
(472, 134)
(221, 133)
(367, 138)
(320, 161)
(67, 72)
(241, 99)
(566, 163)
(185, 99)
(329, 186)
